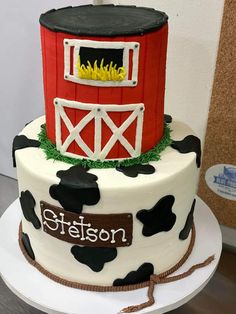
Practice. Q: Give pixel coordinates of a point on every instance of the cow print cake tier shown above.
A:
(96, 226)
(106, 181)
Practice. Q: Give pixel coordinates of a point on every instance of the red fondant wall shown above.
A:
(149, 90)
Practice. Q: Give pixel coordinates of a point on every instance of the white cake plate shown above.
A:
(46, 295)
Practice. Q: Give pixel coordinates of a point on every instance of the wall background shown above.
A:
(21, 86)
(220, 144)
(194, 31)
(193, 42)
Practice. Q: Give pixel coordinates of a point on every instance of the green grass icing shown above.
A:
(151, 155)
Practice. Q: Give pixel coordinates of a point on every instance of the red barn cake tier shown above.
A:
(104, 79)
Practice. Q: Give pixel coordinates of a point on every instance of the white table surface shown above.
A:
(46, 295)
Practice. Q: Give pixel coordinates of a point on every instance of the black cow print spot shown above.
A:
(189, 144)
(133, 171)
(167, 118)
(27, 245)
(93, 257)
(21, 141)
(159, 218)
(27, 202)
(142, 274)
(77, 188)
(188, 224)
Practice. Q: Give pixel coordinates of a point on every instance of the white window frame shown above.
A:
(77, 43)
(99, 113)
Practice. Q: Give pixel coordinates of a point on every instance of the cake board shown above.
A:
(46, 295)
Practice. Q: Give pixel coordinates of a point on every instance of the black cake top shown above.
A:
(103, 20)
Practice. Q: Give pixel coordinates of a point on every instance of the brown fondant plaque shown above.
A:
(114, 230)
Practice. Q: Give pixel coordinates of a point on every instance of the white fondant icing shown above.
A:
(100, 113)
(126, 46)
(176, 174)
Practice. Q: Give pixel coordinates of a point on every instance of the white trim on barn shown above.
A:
(126, 46)
(99, 113)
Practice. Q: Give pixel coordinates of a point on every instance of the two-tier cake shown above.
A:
(106, 181)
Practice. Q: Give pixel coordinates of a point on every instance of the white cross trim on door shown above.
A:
(98, 112)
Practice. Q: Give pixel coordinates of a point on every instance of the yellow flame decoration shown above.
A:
(101, 73)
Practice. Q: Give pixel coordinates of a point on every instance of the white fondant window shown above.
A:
(100, 115)
(126, 54)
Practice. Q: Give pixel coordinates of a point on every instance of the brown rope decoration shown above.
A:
(154, 279)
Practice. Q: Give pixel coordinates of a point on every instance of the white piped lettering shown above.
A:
(74, 232)
(113, 232)
(62, 222)
(82, 224)
(106, 233)
(73, 228)
(91, 235)
(52, 219)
